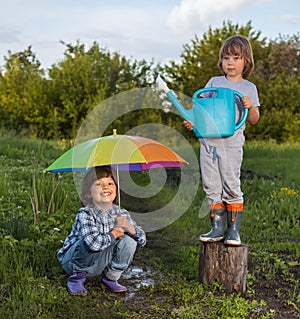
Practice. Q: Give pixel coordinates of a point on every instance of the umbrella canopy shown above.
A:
(122, 152)
(125, 152)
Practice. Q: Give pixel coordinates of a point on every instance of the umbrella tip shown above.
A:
(114, 132)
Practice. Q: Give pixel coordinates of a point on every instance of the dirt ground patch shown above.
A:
(273, 292)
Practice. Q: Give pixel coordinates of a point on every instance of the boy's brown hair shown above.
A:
(238, 45)
(91, 176)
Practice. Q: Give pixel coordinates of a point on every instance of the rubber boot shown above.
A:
(218, 220)
(234, 212)
(76, 282)
(113, 285)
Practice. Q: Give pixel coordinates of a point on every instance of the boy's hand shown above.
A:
(118, 232)
(121, 221)
(247, 102)
(188, 125)
(253, 115)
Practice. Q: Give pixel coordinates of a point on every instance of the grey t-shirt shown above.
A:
(246, 88)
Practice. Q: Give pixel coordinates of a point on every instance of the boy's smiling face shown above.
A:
(103, 192)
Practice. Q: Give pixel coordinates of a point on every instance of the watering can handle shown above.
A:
(245, 115)
(215, 89)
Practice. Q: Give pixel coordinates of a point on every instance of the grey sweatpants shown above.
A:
(220, 173)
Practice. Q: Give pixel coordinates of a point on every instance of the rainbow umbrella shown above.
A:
(122, 152)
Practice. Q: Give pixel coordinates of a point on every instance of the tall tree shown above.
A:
(278, 79)
(22, 96)
(87, 77)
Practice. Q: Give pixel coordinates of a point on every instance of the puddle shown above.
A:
(138, 277)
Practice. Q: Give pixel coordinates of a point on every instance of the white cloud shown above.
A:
(191, 15)
(138, 28)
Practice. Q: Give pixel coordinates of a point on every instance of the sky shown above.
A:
(140, 29)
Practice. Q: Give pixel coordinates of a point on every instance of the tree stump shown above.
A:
(225, 264)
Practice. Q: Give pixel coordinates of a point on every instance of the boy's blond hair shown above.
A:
(238, 45)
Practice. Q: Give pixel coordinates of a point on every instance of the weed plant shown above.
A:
(38, 209)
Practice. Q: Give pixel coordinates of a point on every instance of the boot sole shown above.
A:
(211, 240)
(115, 291)
(232, 243)
(79, 293)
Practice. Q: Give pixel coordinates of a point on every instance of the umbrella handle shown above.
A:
(118, 182)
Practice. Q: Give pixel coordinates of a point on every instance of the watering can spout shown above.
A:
(161, 84)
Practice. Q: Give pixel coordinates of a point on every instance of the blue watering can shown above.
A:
(212, 117)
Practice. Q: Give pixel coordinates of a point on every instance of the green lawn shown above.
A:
(270, 158)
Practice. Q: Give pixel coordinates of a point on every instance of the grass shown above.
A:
(32, 283)
(270, 158)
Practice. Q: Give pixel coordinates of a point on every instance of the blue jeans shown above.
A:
(112, 261)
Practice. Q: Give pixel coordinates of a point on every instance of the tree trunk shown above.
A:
(225, 264)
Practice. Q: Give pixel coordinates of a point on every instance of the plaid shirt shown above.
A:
(94, 226)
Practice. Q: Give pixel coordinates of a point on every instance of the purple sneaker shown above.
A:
(112, 285)
(75, 284)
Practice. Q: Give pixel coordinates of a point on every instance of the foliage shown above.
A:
(47, 195)
(23, 96)
(87, 77)
(53, 103)
(278, 79)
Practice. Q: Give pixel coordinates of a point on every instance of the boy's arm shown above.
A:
(253, 111)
